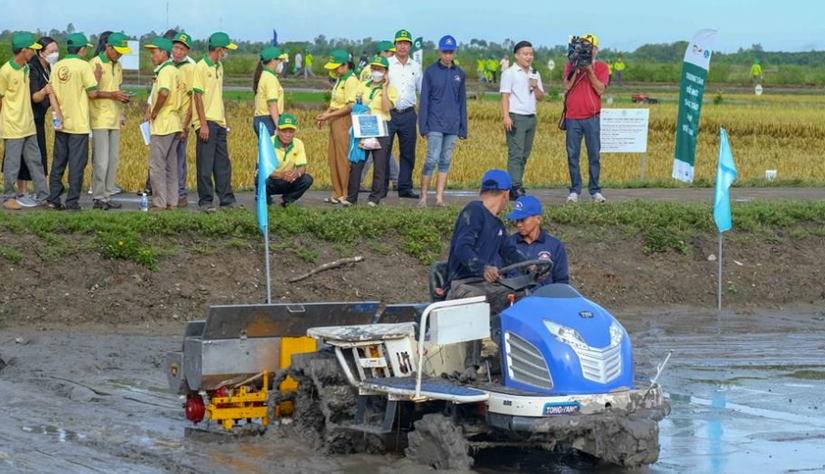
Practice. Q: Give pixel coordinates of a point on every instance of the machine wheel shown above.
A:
(629, 440)
(438, 442)
(325, 405)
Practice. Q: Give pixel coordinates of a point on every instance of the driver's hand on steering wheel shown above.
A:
(491, 274)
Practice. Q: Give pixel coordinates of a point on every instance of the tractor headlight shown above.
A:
(616, 334)
(566, 335)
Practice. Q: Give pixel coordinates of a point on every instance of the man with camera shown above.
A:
(585, 80)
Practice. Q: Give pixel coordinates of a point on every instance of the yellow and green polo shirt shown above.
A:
(208, 80)
(17, 117)
(72, 80)
(168, 121)
(292, 157)
(269, 90)
(374, 98)
(345, 91)
(186, 68)
(105, 113)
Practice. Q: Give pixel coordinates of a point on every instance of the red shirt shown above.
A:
(583, 102)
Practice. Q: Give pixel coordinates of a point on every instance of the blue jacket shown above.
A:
(479, 239)
(545, 247)
(443, 105)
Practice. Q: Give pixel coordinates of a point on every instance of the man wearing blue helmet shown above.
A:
(480, 245)
(535, 243)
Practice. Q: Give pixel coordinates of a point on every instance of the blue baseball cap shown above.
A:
(525, 206)
(496, 180)
(447, 43)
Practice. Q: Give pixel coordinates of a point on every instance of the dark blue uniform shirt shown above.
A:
(443, 106)
(545, 247)
(479, 239)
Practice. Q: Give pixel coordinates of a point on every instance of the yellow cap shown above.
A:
(590, 38)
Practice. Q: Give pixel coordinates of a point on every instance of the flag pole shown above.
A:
(268, 280)
(719, 305)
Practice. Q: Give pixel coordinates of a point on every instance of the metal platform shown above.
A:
(431, 389)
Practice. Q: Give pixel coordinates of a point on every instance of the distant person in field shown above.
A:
(17, 121)
(492, 66)
(521, 89)
(308, 66)
(504, 64)
(74, 82)
(186, 66)
(618, 68)
(269, 95)
(299, 63)
(212, 155)
(756, 72)
(291, 179)
(584, 107)
(443, 117)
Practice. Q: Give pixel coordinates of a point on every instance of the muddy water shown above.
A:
(746, 390)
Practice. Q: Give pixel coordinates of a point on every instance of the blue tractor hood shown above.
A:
(555, 341)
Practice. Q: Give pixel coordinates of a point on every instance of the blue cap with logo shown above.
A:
(525, 206)
(447, 43)
(496, 180)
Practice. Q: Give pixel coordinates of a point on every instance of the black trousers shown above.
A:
(405, 125)
(72, 150)
(212, 160)
(291, 191)
(381, 160)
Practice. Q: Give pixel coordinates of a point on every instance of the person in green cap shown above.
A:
(211, 154)
(269, 95)
(406, 76)
(344, 94)
(756, 72)
(492, 66)
(74, 82)
(181, 45)
(17, 120)
(385, 49)
(165, 126)
(107, 116)
(291, 179)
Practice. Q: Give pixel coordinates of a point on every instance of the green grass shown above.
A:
(422, 234)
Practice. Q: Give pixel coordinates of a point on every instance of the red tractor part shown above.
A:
(194, 408)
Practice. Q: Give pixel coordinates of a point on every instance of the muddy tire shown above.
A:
(628, 441)
(438, 442)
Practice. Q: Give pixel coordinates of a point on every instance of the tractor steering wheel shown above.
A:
(543, 266)
(525, 281)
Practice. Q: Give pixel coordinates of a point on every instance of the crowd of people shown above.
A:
(86, 100)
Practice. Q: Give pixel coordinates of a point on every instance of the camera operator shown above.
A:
(585, 80)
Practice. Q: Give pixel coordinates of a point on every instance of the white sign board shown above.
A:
(624, 130)
(131, 61)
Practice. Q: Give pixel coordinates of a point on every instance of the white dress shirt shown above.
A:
(516, 82)
(406, 78)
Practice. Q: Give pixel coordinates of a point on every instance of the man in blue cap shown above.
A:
(535, 243)
(480, 245)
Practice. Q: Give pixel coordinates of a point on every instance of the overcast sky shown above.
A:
(625, 25)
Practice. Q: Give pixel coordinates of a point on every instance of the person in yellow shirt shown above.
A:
(269, 95)
(380, 97)
(618, 68)
(308, 60)
(756, 72)
(492, 66)
(74, 82)
(181, 44)
(344, 94)
(211, 154)
(291, 179)
(384, 48)
(17, 120)
(106, 112)
(165, 126)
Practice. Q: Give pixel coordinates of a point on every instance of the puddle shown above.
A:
(719, 401)
(54, 431)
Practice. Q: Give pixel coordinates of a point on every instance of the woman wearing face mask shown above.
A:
(380, 97)
(269, 95)
(344, 94)
(40, 68)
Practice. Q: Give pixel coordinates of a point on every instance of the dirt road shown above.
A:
(746, 391)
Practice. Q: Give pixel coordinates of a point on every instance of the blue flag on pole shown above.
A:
(267, 163)
(725, 175)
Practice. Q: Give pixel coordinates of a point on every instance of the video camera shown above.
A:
(579, 53)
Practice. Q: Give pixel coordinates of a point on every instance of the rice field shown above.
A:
(785, 133)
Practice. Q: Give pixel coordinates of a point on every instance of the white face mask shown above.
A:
(223, 57)
(280, 68)
(377, 76)
(52, 58)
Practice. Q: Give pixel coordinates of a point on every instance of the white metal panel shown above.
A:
(460, 324)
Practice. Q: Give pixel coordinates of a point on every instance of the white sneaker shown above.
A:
(598, 198)
(26, 201)
(573, 197)
(115, 191)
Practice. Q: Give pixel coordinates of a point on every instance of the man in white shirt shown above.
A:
(406, 77)
(520, 89)
(299, 63)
